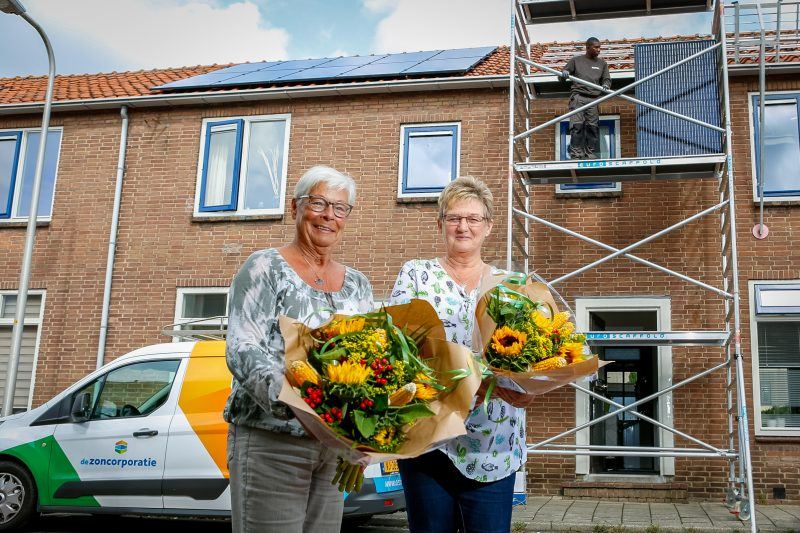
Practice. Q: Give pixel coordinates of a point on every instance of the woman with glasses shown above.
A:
(280, 477)
(467, 484)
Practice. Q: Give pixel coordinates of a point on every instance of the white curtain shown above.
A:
(217, 175)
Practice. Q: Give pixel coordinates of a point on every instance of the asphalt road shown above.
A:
(100, 524)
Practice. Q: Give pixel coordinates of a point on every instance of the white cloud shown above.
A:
(425, 25)
(164, 33)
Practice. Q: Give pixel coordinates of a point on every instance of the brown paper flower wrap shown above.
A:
(524, 379)
(451, 364)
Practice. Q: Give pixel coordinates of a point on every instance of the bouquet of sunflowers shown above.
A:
(378, 384)
(528, 345)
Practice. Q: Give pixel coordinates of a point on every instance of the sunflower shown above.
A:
(572, 351)
(507, 341)
(542, 322)
(560, 320)
(425, 392)
(341, 327)
(385, 436)
(348, 373)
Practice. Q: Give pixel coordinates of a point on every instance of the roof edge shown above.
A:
(270, 93)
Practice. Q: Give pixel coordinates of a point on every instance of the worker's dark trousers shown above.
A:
(584, 129)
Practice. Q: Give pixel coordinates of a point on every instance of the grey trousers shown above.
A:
(584, 129)
(281, 483)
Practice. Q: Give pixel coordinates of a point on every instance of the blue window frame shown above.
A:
(222, 160)
(782, 145)
(429, 159)
(608, 150)
(18, 152)
(10, 142)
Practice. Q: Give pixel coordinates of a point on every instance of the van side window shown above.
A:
(135, 390)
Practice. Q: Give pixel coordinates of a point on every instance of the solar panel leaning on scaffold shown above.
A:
(691, 89)
(457, 61)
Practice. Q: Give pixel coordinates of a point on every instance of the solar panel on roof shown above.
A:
(299, 64)
(341, 68)
(379, 69)
(479, 52)
(443, 65)
(319, 73)
(354, 61)
(408, 57)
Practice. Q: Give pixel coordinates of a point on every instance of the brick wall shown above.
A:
(161, 247)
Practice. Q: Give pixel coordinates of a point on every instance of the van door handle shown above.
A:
(144, 432)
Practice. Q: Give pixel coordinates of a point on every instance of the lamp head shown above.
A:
(12, 7)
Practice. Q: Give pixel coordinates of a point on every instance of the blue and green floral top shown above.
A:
(494, 446)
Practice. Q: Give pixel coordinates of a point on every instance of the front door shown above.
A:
(631, 376)
(118, 453)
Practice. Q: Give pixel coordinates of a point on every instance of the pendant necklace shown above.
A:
(318, 280)
(457, 278)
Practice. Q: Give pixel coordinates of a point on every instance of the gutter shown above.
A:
(271, 93)
(112, 241)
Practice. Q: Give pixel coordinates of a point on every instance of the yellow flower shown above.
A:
(424, 392)
(571, 351)
(567, 329)
(542, 322)
(385, 436)
(560, 320)
(348, 373)
(340, 327)
(507, 341)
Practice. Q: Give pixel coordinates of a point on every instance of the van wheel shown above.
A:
(17, 496)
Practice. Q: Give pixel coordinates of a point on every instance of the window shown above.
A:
(30, 343)
(775, 340)
(429, 155)
(18, 152)
(132, 390)
(609, 149)
(242, 168)
(201, 308)
(781, 147)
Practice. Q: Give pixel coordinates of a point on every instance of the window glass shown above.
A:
(135, 390)
(430, 161)
(264, 186)
(606, 141)
(8, 151)
(204, 305)
(781, 148)
(48, 173)
(220, 169)
(779, 373)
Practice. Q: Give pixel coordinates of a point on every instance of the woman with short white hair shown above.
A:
(468, 484)
(280, 477)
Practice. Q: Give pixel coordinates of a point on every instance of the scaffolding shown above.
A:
(527, 75)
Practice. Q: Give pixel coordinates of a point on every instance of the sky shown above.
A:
(119, 35)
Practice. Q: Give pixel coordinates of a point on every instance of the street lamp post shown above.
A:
(14, 7)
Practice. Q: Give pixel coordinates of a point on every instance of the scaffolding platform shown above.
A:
(623, 169)
(549, 11)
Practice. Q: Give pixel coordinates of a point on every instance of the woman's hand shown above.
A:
(517, 399)
(350, 477)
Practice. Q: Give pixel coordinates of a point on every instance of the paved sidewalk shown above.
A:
(595, 516)
(558, 514)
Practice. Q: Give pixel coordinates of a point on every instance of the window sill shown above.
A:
(588, 194)
(778, 439)
(778, 202)
(23, 223)
(410, 199)
(235, 218)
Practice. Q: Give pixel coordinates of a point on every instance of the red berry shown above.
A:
(384, 361)
(389, 368)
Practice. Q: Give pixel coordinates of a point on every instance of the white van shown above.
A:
(142, 435)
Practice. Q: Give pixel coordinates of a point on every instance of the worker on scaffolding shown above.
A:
(584, 127)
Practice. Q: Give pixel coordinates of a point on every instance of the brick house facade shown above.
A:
(163, 246)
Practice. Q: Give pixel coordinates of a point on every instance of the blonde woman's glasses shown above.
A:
(473, 221)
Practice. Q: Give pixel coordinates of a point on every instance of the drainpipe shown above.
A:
(112, 241)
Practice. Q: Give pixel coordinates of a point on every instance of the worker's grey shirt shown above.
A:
(593, 70)
(265, 288)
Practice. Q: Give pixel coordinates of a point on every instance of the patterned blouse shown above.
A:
(265, 288)
(494, 446)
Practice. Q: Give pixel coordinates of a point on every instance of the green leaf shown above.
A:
(381, 402)
(365, 424)
(409, 413)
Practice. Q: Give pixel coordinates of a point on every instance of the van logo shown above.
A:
(121, 447)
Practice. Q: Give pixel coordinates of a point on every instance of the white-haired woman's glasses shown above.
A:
(318, 204)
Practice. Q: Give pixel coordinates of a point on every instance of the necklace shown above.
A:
(318, 279)
(457, 278)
